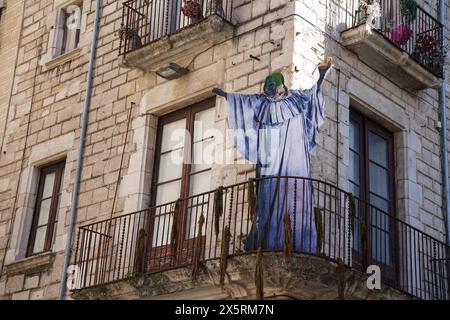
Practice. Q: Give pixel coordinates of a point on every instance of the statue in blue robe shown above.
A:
(277, 131)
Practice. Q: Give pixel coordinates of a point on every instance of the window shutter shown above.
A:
(56, 38)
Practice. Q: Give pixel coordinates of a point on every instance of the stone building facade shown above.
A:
(43, 88)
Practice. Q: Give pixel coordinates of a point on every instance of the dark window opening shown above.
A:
(371, 180)
(45, 217)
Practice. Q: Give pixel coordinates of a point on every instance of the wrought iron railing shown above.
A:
(409, 27)
(145, 21)
(324, 221)
(441, 270)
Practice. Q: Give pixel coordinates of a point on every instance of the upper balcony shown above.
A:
(204, 241)
(399, 39)
(156, 33)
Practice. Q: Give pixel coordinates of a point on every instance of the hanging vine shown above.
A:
(198, 245)
(251, 199)
(259, 276)
(287, 243)
(140, 251)
(319, 228)
(363, 231)
(226, 237)
(340, 274)
(175, 226)
(218, 209)
(352, 207)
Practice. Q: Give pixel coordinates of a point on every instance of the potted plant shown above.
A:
(131, 36)
(192, 10)
(426, 49)
(367, 8)
(401, 34)
(408, 9)
(426, 43)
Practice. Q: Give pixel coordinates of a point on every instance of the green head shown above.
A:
(272, 83)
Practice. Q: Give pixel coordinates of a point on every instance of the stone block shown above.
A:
(31, 282)
(23, 295)
(15, 283)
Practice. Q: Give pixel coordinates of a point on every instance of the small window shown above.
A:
(66, 33)
(2, 8)
(45, 214)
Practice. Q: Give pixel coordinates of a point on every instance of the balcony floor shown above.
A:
(179, 46)
(304, 277)
(387, 58)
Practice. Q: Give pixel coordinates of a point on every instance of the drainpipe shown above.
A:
(444, 144)
(444, 141)
(84, 124)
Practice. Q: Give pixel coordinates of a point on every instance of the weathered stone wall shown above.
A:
(47, 98)
(412, 117)
(302, 277)
(54, 95)
(10, 26)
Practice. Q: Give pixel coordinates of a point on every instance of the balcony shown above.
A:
(156, 33)
(162, 250)
(404, 44)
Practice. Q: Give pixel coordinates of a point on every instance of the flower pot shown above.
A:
(195, 19)
(135, 41)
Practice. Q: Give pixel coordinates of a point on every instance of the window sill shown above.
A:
(66, 57)
(31, 264)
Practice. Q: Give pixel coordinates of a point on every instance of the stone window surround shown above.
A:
(195, 87)
(387, 113)
(51, 60)
(41, 154)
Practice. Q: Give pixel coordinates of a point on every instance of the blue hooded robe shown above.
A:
(279, 136)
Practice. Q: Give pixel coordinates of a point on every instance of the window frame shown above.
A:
(64, 44)
(390, 271)
(188, 113)
(58, 169)
(59, 33)
(367, 125)
(158, 254)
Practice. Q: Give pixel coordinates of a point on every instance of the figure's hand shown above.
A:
(325, 65)
(219, 92)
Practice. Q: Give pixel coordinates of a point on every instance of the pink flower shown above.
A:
(401, 34)
(191, 8)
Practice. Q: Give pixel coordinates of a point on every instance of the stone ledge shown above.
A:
(62, 59)
(180, 45)
(303, 277)
(385, 57)
(31, 265)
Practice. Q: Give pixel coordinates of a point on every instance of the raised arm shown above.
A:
(323, 67)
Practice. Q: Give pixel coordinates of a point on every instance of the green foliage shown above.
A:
(408, 8)
(352, 208)
(319, 227)
(218, 208)
(127, 32)
(251, 199)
